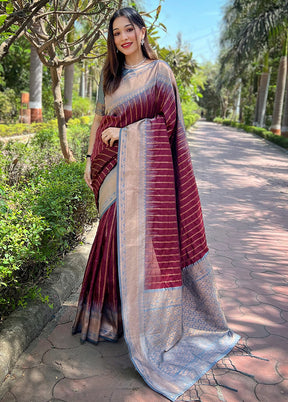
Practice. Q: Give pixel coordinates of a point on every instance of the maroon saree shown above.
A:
(173, 323)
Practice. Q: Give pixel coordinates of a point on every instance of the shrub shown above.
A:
(44, 207)
(47, 139)
(226, 122)
(78, 136)
(86, 119)
(82, 106)
(66, 202)
(20, 247)
(9, 130)
(39, 223)
(189, 113)
(9, 104)
(248, 113)
(218, 120)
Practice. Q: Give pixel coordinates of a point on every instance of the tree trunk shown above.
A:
(256, 116)
(224, 106)
(68, 89)
(237, 103)
(279, 96)
(58, 106)
(263, 94)
(82, 88)
(90, 83)
(284, 128)
(36, 73)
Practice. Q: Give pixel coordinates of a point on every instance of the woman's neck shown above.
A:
(134, 59)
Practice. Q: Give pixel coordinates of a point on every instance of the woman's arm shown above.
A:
(95, 125)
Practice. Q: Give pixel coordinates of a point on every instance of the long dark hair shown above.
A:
(113, 67)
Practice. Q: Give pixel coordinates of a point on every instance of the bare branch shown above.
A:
(56, 21)
(27, 14)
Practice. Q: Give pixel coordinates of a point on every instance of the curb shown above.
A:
(24, 325)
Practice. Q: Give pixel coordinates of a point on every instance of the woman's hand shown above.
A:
(110, 135)
(87, 174)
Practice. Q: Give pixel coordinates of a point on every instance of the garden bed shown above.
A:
(45, 206)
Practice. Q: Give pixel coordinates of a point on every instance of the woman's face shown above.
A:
(127, 37)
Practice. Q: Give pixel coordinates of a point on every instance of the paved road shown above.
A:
(243, 183)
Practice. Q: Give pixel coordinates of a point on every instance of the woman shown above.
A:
(154, 240)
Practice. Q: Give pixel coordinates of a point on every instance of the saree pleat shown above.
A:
(98, 315)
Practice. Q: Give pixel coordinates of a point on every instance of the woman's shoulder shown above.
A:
(162, 65)
(163, 71)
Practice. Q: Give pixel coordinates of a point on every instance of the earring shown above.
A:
(142, 42)
(116, 50)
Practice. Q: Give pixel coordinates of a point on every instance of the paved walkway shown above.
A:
(243, 187)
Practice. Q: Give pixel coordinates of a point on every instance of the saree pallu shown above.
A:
(173, 324)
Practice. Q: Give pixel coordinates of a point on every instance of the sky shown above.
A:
(199, 22)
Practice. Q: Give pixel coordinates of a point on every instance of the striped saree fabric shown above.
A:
(173, 323)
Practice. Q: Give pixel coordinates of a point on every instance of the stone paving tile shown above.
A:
(203, 393)
(219, 246)
(272, 347)
(263, 371)
(93, 389)
(67, 314)
(269, 393)
(246, 327)
(225, 282)
(263, 314)
(77, 363)
(210, 398)
(261, 288)
(35, 384)
(242, 388)
(8, 397)
(283, 289)
(140, 395)
(34, 354)
(282, 369)
(111, 349)
(232, 312)
(278, 329)
(277, 300)
(242, 296)
(56, 400)
(121, 364)
(72, 390)
(61, 337)
(284, 315)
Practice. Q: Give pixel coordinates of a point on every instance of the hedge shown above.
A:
(44, 207)
(9, 130)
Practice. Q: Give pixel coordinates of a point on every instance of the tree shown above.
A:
(181, 62)
(56, 19)
(15, 67)
(252, 28)
(211, 100)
